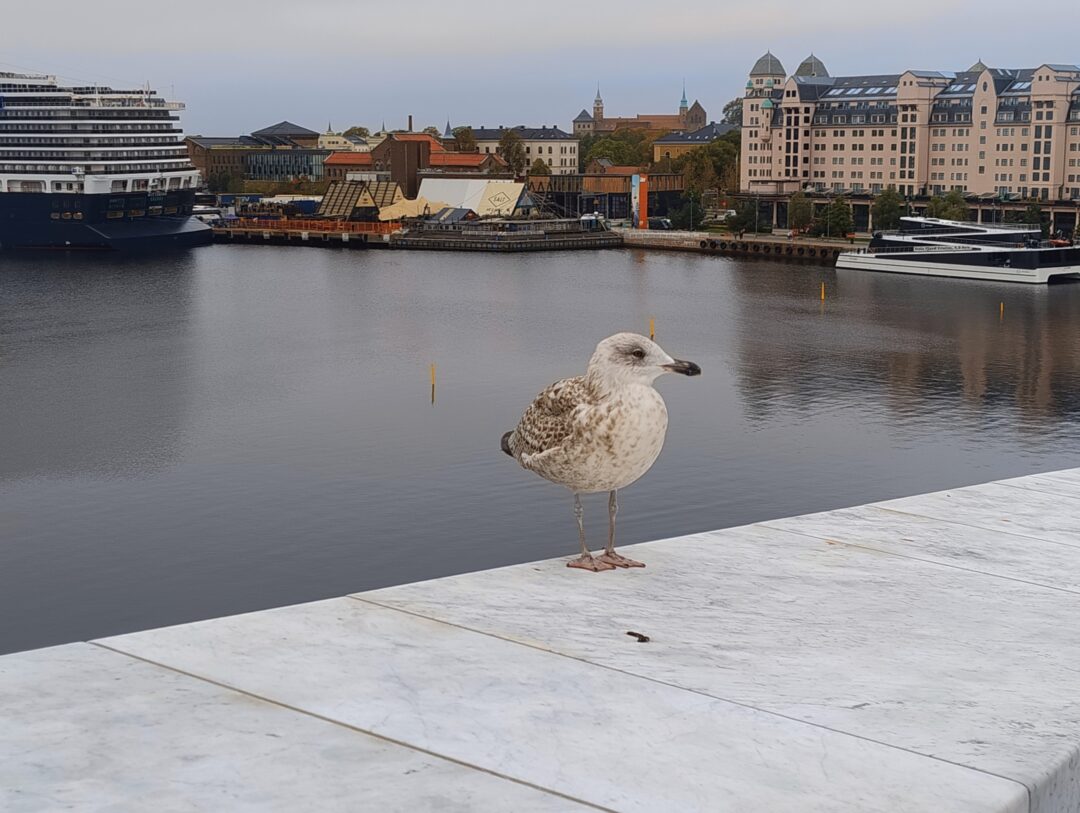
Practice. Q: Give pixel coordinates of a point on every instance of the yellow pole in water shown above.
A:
(823, 292)
(652, 328)
(433, 383)
(1001, 311)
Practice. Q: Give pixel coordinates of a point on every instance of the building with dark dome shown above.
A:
(994, 134)
(811, 66)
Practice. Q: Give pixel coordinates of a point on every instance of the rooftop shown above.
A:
(527, 133)
(352, 159)
(768, 65)
(463, 159)
(286, 129)
(436, 145)
(811, 66)
(710, 132)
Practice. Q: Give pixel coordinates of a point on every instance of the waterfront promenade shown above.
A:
(918, 654)
(819, 250)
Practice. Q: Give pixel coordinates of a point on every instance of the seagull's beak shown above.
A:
(682, 367)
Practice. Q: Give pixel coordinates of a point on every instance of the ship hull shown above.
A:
(956, 270)
(130, 222)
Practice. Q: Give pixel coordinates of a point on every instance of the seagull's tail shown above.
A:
(505, 444)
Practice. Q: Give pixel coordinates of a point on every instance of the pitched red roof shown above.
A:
(461, 159)
(436, 145)
(351, 159)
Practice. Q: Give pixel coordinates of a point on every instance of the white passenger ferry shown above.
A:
(949, 248)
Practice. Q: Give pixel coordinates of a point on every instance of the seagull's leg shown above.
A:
(586, 560)
(609, 555)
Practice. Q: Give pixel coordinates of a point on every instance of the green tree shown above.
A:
(465, 139)
(225, 182)
(697, 171)
(357, 130)
(711, 166)
(746, 218)
(950, 207)
(834, 220)
(539, 168)
(624, 147)
(887, 210)
(690, 212)
(512, 151)
(733, 112)
(800, 212)
(1034, 214)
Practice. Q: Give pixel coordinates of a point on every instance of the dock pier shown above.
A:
(307, 232)
(918, 654)
(753, 245)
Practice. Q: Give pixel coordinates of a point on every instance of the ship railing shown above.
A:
(983, 242)
(961, 226)
(335, 226)
(903, 249)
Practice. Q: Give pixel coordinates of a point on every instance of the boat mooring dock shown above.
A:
(919, 654)
(752, 245)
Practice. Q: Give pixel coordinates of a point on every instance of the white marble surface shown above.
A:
(595, 734)
(977, 668)
(997, 553)
(1062, 483)
(915, 655)
(86, 729)
(1017, 510)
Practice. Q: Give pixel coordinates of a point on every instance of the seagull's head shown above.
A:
(628, 358)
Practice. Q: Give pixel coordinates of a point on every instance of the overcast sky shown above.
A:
(243, 64)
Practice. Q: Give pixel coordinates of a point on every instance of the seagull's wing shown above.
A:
(549, 420)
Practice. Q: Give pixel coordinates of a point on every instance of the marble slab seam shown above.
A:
(923, 559)
(1034, 481)
(668, 684)
(356, 729)
(883, 507)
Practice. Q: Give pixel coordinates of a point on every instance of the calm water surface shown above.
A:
(244, 427)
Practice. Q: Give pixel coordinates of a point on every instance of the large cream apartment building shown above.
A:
(992, 133)
(556, 148)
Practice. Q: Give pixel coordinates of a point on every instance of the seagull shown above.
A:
(600, 431)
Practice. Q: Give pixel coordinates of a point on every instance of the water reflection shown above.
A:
(248, 426)
(917, 344)
(94, 362)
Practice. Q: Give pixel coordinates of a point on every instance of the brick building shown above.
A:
(689, 117)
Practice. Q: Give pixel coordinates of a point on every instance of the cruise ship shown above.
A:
(93, 168)
(948, 248)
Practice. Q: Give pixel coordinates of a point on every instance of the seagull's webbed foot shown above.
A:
(588, 562)
(618, 560)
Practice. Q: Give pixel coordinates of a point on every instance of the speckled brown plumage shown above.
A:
(600, 431)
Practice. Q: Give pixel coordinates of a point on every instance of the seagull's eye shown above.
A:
(638, 353)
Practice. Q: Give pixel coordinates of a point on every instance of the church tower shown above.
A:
(684, 106)
(598, 107)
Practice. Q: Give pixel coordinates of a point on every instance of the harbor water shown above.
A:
(240, 427)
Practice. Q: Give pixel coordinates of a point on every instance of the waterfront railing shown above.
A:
(335, 226)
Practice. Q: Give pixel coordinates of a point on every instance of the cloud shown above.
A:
(243, 64)
(257, 31)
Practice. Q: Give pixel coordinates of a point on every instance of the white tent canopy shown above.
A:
(486, 198)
